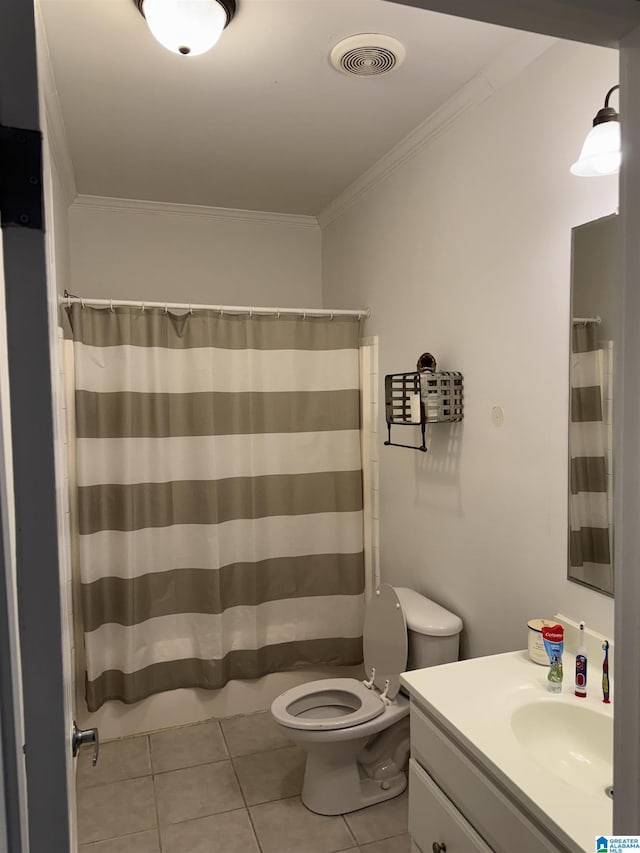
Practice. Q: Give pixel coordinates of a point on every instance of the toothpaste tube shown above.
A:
(553, 639)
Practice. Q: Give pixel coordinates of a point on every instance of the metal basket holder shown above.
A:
(441, 401)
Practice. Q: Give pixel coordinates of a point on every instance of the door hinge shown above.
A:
(20, 177)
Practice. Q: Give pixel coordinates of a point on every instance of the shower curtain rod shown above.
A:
(597, 320)
(68, 298)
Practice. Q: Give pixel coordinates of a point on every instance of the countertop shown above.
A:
(475, 699)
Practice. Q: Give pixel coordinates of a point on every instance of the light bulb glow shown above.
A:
(188, 27)
(600, 153)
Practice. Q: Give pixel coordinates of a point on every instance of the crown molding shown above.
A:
(54, 130)
(161, 208)
(504, 68)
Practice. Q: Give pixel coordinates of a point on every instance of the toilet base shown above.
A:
(332, 786)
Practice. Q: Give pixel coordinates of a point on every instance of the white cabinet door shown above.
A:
(435, 824)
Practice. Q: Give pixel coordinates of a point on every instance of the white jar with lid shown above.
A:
(537, 651)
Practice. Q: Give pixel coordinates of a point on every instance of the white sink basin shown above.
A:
(569, 740)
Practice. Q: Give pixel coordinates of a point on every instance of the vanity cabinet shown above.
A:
(457, 806)
(435, 823)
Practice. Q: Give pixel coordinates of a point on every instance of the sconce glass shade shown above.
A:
(600, 153)
(187, 27)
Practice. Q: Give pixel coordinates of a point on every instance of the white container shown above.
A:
(537, 651)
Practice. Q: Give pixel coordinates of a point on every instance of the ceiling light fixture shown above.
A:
(188, 27)
(600, 153)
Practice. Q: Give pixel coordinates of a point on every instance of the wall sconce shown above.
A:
(600, 153)
(188, 27)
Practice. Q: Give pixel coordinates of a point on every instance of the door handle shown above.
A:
(84, 737)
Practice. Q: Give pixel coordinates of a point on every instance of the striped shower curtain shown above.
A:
(589, 516)
(219, 496)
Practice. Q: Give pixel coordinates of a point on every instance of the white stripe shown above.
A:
(588, 509)
(586, 369)
(159, 549)
(588, 438)
(210, 637)
(161, 460)
(159, 370)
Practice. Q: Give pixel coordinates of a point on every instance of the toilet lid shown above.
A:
(385, 639)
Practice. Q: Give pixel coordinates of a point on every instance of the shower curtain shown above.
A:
(219, 496)
(589, 516)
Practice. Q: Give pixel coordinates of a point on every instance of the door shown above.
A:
(31, 424)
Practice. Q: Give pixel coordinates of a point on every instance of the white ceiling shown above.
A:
(262, 121)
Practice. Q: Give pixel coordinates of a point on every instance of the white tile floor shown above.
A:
(227, 786)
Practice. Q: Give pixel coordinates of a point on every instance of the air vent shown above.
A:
(367, 55)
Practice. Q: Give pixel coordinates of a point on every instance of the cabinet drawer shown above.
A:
(499, 819)
(433, 818)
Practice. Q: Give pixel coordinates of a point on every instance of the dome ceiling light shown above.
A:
(187, 27)
(600, 153)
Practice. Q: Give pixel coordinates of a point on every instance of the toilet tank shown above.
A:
(433, 632)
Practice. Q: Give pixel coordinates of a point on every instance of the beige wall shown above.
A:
(464, 251)
(171, 253)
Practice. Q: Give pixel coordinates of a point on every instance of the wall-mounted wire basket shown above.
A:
(442, 396)
(417, 399)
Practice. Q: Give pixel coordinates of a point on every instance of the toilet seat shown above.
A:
(333, 703)
(341, 703)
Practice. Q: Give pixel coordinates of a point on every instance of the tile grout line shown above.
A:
(244, 799)
(355, 840)
(155, 793)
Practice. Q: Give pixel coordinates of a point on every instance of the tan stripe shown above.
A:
(129, 602)
(133, 415)
(589, 545)
(132, 507)
(213, 674)
(586, 404)
(584, 337)
(101, 327)
(588, 474)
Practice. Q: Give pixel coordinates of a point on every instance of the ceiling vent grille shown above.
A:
(367, 55)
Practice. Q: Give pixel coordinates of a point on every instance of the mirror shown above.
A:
(595, 269)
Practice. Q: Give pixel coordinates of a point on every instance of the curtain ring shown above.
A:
(221, 313)
(190, 309)
(111, 305)
(250, 313)
(277, 313)
(142, 307)
(82, 302)
(166, 308)
(304, 315)
(331, 316)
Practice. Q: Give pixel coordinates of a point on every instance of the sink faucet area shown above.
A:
(552, 753)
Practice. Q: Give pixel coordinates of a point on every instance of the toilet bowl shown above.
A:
(356, 734)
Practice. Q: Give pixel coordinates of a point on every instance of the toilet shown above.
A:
(356, 734)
